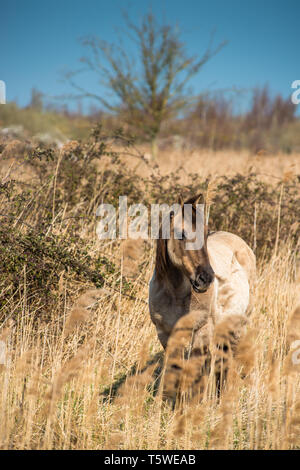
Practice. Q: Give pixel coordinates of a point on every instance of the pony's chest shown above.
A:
(166, 308)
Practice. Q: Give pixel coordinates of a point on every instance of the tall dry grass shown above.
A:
(94, 384)
(268, 166)
(90, 373)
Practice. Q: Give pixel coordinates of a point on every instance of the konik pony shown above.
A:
(193, 291)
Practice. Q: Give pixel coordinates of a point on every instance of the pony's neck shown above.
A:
(173, 278)
(178, 281)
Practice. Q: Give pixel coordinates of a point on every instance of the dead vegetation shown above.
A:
(83, 368)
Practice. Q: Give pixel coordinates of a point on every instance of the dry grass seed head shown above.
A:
(80, 311)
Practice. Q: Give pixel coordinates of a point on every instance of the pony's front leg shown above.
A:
(183, 365)
(228, 333)
(162, 336)
(195, 347)
(163, 330)
(229, 330)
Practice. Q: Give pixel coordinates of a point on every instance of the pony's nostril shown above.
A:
(205, 277)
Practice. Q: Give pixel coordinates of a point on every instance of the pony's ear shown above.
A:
(181, 200)
(194, 200)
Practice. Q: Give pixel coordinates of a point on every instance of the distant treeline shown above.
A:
(210, 121)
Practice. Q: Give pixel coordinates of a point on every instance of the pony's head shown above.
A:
(186, 248)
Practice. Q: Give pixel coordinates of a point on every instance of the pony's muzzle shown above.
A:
(203, 279)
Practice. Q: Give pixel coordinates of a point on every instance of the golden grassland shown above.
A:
(268, 166)
(92, 376)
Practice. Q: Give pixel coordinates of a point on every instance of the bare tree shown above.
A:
(150, 87)
(36, 101)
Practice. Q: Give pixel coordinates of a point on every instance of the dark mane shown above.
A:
(162, 257)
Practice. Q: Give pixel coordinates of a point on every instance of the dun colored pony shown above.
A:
(195, 291)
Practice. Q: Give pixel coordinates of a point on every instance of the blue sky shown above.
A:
(40, 39)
